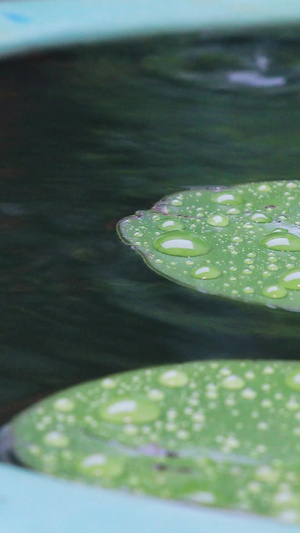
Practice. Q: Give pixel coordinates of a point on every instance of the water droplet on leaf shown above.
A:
(293, 381)
(260, 218)
(128, 410)
(228, 198)
(233, 211)
(173, 378)
(217, 220)
(171, 224)
(291, 280)
(264, 188)
(282, 243)
(98, 465)
(206, 272)
(233, 382)
(182, 244)
(57, 439)
(176, 202)
(64, 404)
(274, 291)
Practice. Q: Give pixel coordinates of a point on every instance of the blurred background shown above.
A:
(90, 135)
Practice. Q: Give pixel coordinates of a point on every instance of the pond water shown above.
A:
(90, 136)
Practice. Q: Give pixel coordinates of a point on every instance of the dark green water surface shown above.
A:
(92, 135)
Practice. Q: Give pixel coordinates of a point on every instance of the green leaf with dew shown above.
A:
(241, 243)
(222, 433)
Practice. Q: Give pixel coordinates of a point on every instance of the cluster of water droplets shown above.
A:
(241, 242)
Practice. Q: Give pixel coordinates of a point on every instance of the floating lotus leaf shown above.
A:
(223, 433)
(242, 242)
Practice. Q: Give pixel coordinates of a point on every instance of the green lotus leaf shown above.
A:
(241, 243)
(222, 433)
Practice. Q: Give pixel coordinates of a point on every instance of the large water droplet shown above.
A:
(261, 218)
(233, 382)
(156, 395)
(267, 474)
(64, 404)
(274, 291)
(176, 202)
(228, 198)
(264, 188)
(293, 380)
(108, 383)
(273, 267)
(170, 224)
(233, 211)
(173, 378)
(206, 272)
(182, 244)
(126, 410)
(98, 465)
(249, 394)
(202, 498)
(248, 290)
(57, 439)
(291, 280)
(218, 220)
(280, 230)
(282, 243)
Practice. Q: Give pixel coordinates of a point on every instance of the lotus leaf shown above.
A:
(222, 433)
(241, 243)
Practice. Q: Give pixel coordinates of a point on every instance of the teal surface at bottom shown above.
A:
(31, 502)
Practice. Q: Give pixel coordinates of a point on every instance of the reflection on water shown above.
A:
(89, 137)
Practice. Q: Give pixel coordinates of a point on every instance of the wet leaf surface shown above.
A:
(242, 242)
(205, 433)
